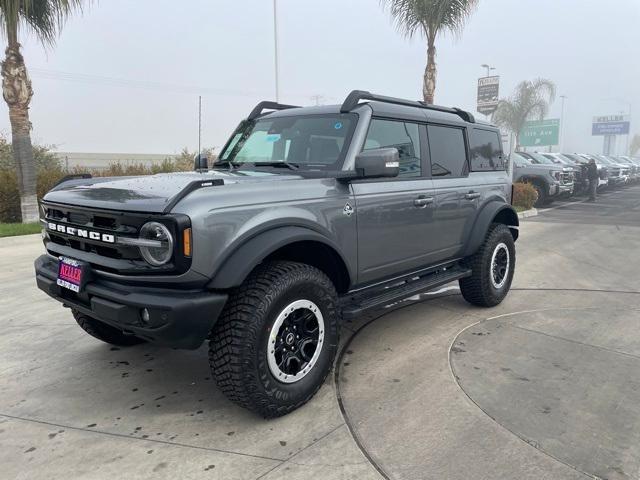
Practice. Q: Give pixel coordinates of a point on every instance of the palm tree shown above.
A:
(530, 101)
(44, 18)
(429, 18)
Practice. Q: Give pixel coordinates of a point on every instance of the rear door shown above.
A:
(395, 215)
(456, 195)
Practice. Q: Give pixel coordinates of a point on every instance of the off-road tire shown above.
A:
(239, 341)
(104, 332)
(543, 197)
(479, 289)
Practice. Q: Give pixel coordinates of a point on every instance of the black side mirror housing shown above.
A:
(200, 163)
(378, 163)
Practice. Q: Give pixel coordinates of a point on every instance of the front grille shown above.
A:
(566, 178)
(103, 255)
(116, 224)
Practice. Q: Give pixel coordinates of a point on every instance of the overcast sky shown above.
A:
(125, 75)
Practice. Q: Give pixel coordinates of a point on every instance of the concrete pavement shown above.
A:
(409, 400)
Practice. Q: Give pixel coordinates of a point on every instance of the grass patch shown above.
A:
(13, 229)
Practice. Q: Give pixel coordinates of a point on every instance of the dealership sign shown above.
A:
(488, 88)
(610, 125)
(540, 133)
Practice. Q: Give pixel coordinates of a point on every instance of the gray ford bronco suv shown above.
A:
(309, 216)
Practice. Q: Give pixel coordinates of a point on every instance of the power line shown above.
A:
(142, 84)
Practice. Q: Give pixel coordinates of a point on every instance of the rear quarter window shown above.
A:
(486, 151)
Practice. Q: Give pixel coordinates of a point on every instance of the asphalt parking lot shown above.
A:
(544, 386)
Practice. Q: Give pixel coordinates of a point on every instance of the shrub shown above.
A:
(49, 171)
(524, 195)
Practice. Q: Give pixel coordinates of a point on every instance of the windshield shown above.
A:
(601, 159)
(519, 160)
(575, 158)
(556, 160)
(312, 142)
(539, 158)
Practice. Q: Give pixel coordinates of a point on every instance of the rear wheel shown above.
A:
(104, 332)
(276, 340)
(492, 267)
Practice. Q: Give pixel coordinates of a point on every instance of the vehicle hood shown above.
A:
(149, 193)
(543, 167)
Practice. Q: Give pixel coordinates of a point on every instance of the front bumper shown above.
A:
(178, 318)
(560, 189)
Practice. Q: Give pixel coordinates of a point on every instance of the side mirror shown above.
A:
(200, 163)
(378, 163)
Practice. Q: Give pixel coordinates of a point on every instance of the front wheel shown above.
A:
(492, 268)
(276, 340)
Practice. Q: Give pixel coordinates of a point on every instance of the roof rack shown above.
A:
(355, 96)
(257, 111)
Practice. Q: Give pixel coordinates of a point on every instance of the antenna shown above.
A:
(199, 123)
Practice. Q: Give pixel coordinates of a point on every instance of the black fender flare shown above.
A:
(507, 215)
(249, 254)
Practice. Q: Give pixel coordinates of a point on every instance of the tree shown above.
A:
(635, 144)
(430, 18)
(530, 101)
(44, 18)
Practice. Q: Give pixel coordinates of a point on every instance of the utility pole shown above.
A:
(563, 98)
(317, 99)
(199, 124)
(275, 46)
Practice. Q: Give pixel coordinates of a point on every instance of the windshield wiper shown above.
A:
(226, 163)
(283, 164)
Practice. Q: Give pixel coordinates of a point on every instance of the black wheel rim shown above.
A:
(295, 341)
(500, 265)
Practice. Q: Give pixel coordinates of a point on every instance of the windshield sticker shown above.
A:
(338, 125)
(273, 137)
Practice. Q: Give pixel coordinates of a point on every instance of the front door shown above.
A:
(395, 216)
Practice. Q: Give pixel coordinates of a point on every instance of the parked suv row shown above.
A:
(549, 178)
(569, 176)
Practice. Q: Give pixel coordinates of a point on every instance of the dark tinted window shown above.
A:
(448, 153)
(400, 135)
(486, 151)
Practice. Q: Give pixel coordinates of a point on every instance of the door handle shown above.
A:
(472, 195)
(422, 201)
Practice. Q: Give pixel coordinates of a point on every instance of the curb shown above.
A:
(528, 213)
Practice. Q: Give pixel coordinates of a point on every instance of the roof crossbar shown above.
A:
(257, 111)
(355, 96)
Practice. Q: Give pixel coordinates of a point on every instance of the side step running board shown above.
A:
(358, 303)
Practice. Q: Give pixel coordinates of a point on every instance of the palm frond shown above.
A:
(530, 100)
(44, 18)
(429, 17)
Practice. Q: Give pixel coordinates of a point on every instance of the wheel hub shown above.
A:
(500, 264)
(296, 341)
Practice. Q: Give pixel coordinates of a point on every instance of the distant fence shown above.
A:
(101, 161)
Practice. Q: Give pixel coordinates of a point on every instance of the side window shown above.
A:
(401, 135)
(486, 151)
(448, 152)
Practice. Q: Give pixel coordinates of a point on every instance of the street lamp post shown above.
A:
(488, 67)
(563, 98)
(275, 46)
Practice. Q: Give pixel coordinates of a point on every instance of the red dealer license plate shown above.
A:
(71, 274)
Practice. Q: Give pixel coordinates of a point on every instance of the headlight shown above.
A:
(160, 247)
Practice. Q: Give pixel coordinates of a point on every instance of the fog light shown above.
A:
(144, 314)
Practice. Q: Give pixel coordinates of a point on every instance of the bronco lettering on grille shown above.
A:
(81, 233)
